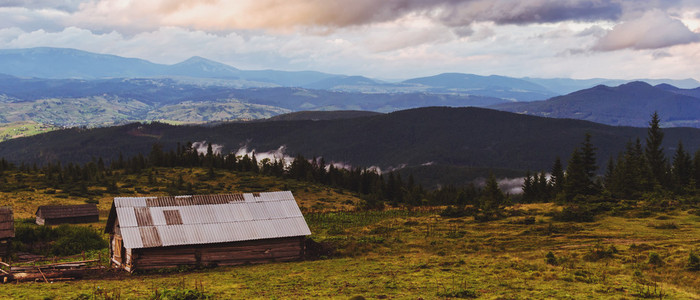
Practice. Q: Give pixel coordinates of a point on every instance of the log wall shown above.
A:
(4, 248)
(68, 220)
(223, 254)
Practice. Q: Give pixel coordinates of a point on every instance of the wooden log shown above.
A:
(48, 275)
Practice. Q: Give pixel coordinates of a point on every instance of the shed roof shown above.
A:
(147, 222)
(67, 211)
(7, 223)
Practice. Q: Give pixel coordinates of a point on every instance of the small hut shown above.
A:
(7, 230)
(205, 230)
(62, 214)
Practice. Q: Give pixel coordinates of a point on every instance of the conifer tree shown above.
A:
(654, 153)
(557, 179)
(682, 167)
(492, 198)
(528, 191)
(576, 179)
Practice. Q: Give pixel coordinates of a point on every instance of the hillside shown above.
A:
(492, 86)
(397, 253)
(322, 115)
(460, 137)
(628, 104)
(76, 102)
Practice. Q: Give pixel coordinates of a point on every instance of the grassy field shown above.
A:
(404, 254)
(19, 129)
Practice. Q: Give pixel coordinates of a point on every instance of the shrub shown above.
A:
(599, 252)
(655, 259)
(458, 293)
(453, 212)
(665, 225)
(550, 259)
(693, 262)
(62, 240)
(76, 239)
(575, 213)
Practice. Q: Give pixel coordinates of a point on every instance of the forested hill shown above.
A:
(470, 137)
(628, 104)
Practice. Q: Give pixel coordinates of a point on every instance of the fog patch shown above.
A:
(201, 148)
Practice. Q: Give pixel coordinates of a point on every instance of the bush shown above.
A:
(458, 293)
(599, 252)
(550, 259)
(453, 212)
(575, 213)
(693, 262)
(62, 240)
(655, 259)
(76, 239)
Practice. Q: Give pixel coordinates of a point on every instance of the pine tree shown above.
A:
(681, 168)
(492, 198)
(576, 179)
(557, 179)
(528, 191)
(609, 177)
(654, 153)
(588, 157)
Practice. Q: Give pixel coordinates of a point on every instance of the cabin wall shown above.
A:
(4, 248)
(223, 254)
(68, 220)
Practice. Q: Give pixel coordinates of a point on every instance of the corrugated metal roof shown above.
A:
(66, 211)
(153, 221)
(7, 223)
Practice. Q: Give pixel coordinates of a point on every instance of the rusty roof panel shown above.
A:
(143, 216)
(172, 217)
(150, 237)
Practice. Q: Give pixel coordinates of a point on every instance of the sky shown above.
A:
(388, 39)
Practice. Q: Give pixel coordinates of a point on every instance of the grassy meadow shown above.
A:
(401, 253)
(21, 129)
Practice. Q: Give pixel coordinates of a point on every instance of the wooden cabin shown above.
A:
(71, 214)
(7, 230)
(205, 230)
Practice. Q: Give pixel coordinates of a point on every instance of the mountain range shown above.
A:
(68, 87)
(629, 104)
(63, 63)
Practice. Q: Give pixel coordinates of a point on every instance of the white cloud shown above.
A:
(386, 39)
(655, 29)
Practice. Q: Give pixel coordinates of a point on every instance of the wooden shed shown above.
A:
(62, 214)
(7, 230)
(205, 230)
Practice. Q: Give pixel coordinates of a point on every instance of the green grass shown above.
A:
(20, 129)
(407, 254)
(400, 254)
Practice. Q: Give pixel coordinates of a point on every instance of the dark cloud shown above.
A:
(661, 54)
(528, 12)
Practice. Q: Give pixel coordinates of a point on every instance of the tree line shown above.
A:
(376, 189)
(641, 171)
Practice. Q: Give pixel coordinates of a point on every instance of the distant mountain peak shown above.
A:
(636, 84)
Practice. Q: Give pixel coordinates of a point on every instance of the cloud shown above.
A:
(654, 30)
(202, 147)
(63, 5)
(135, 16)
